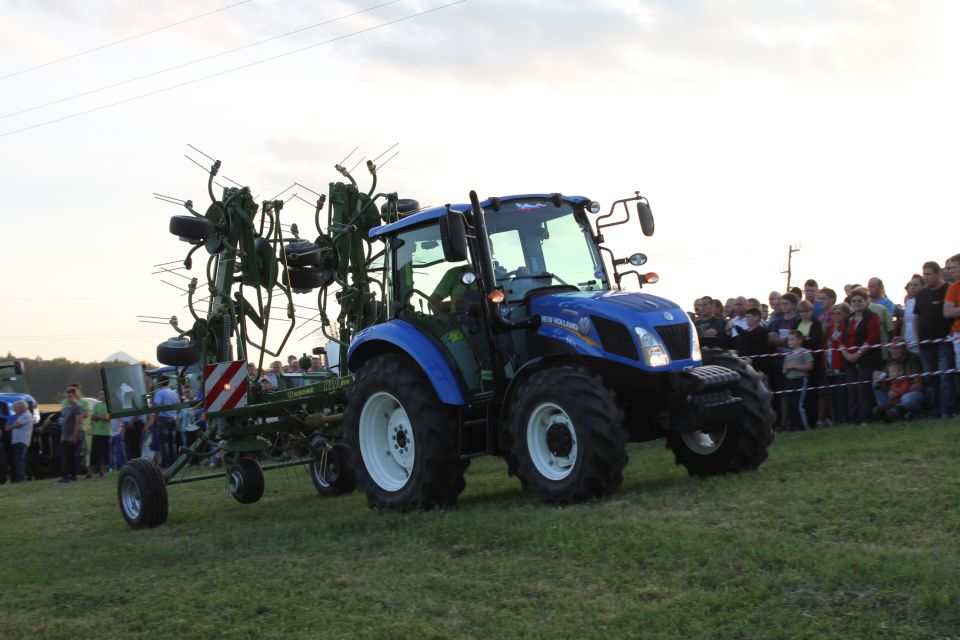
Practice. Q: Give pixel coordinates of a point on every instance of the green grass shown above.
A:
(843, 533)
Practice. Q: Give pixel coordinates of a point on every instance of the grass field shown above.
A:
(843, 533)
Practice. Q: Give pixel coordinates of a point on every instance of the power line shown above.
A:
(192, 62)
(76, 336)
(231, 70)
(72, 299)
(128, 39)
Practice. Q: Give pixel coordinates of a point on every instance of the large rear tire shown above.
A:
(142, 494)
(736, 446)
(567, 437)
(402, 439)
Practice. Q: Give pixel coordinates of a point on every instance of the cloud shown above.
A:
(501, 41)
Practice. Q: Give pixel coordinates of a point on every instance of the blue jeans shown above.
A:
(913, 401)
(118, 456)
(942, 388)
(166, 428)
(19, 462)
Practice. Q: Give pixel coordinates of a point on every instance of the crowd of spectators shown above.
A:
(854, 358)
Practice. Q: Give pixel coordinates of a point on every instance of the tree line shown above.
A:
(47, 379)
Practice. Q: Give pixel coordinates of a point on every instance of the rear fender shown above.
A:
(399, 336)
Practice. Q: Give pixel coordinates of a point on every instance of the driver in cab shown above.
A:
(452, 294)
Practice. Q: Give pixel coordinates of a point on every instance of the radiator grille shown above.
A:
(676, 337)
(615, 337)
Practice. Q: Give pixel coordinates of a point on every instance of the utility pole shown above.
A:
(790, 251)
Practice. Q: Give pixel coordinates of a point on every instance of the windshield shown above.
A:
(13, 384)
(535, 244)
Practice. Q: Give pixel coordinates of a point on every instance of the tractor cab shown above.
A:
(535, 245)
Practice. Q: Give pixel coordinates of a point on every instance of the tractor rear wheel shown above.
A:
(735, 446)
(402, 439)
(330, 470)
(142, 494)
(245, 479)
(568, 440)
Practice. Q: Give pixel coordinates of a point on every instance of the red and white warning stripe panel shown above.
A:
(225, 385)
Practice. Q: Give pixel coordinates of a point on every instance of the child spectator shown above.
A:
(812, 332)
(899, 385)
(797, 365)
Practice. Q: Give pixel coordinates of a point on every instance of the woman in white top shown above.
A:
(909, 330)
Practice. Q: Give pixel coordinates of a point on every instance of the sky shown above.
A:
(750, 125)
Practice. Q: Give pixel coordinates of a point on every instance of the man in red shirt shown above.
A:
(951, 310)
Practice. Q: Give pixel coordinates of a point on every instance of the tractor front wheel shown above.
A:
(738, 445)
(401, 437)
(568, 440)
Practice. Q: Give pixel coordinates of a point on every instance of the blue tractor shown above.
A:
(506, 333)
(487, 328)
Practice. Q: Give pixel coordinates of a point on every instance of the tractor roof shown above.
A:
(434, 213)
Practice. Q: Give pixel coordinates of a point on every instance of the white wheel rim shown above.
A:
(386, 441)
(130, 497)
(704, 442)
(551, 441)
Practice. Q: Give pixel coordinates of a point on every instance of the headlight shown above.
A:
(654, 353)
(695, 354)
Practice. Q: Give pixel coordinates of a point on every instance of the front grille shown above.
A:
(615, 338)
(676, 337)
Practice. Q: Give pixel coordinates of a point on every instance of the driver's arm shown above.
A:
(444, 290)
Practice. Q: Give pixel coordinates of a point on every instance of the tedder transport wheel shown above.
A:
(192, 228)
(736, 446)
(178, 353)
(245, 481)
(330, 471)
(142, 493)
(568, 440)
(401, 438)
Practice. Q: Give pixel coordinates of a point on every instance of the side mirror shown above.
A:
(18, 367)
(453, 236)
(646, 218)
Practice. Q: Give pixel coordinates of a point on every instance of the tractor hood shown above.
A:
(634, 328)
(623, 305)
(6, 406)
